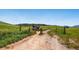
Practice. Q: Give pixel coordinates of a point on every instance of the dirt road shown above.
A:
(37, 42)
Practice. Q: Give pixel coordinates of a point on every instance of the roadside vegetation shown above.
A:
(11, 33)
(68, 36)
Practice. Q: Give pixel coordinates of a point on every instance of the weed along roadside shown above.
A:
(68, 36)
(9, 37)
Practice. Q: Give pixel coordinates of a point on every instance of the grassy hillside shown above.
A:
(10, 33)
(10, 27)
(7, 27)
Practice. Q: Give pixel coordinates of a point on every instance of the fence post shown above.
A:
(29, 29)
(64, 30)
(56, 29)
(20, 27)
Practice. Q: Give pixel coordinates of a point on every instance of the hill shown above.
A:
(26, 24)
(7, 27)
(76, 26)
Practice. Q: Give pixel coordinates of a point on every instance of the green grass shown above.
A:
(11, 37)
(10, 33)
(8, 28)
(71, 34)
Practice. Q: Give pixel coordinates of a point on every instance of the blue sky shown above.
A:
(45, 16)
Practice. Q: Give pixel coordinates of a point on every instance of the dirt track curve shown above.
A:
(37, 42)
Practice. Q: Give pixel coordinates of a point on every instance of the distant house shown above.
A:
(35, 27)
